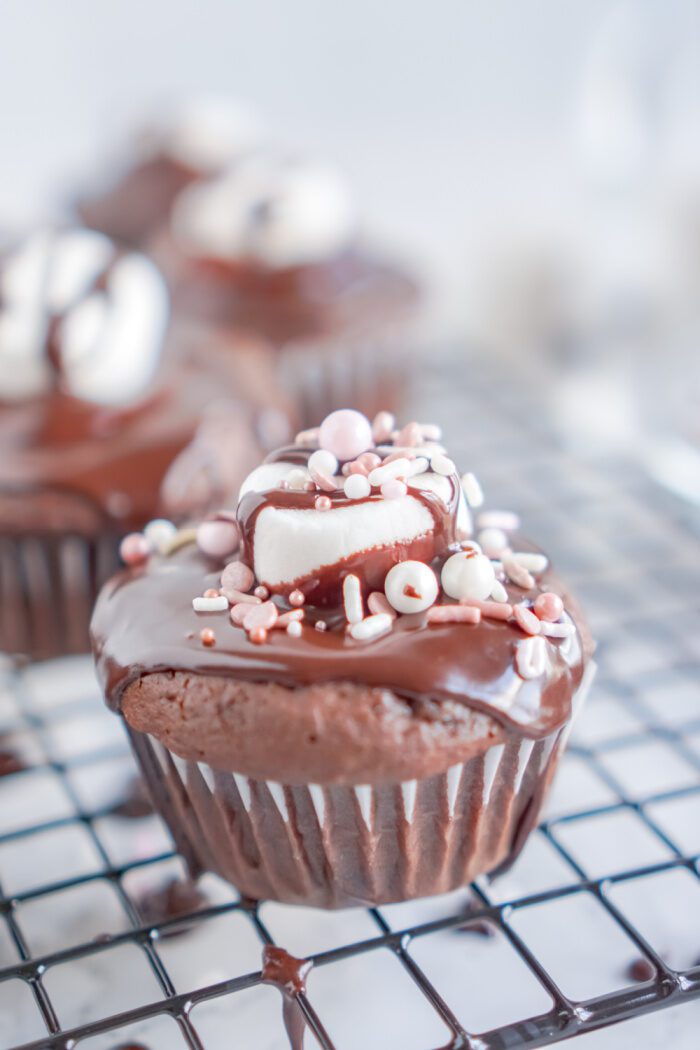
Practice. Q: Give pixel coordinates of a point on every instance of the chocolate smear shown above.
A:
(288, 974)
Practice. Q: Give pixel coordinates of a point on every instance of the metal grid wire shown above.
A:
(630, 550)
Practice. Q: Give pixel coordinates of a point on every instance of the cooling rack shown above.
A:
(103, 944)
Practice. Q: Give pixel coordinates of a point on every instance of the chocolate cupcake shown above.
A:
(367, 704)
(93, 411)
(193, 142)
(272, 248)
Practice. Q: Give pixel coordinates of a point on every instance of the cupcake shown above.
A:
(94, 409)
(272, 248)
(367, 702)
(195, 141)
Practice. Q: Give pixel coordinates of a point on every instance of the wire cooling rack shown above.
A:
(598, 921)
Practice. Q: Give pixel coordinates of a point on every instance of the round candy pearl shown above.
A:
(356, 486)
(411, 587)
(218, 539)
(323, 462)
(346, 433)
(468, 575)
(159, 533)
(134, 548)
(548, 606)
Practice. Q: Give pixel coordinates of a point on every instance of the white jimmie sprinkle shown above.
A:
(218, 604)
(532, 562)
(557, 630)
(531, 657)
(498, 592)
(443, 465)
(352, 599)
(472, 490)
(371, 627)
(397, 468)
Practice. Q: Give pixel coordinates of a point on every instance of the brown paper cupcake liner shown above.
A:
(335, 846)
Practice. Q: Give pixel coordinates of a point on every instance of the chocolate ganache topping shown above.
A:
(353, 559)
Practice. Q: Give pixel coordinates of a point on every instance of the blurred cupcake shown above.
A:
(272, 248)
(192, 142)
(93, 411)
(365, 704)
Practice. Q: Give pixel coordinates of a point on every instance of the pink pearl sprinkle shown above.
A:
(261, 592)
(393, 489)
(323, 481)
(526, 619)
(379, 603)
(548, 606)
(382, 426)
(258, 635)
(322, 503)
(346, 433)
(134, 549)
(207, 637)
(211, 592)
(321, 625)
(218, 539)
(369, 460)
(264, 616)
(453, 614)
(237, 576)
(410, 435)
(356, 467)
(297, 598)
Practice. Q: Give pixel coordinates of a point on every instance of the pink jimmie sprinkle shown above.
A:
(393, 489)
(410, 436)
(379, 603)
(134, 549)
(264, 616)
(526, 619)
(355, 467)
(293, 616)
(454, 614)
(323, 481)
(517, 574)
(239, 613)
(369, 460)
(548, 606)
(382, 427)
(322, 503)
(492, 610)
(297, 598)
(237, 576)
(399, 454)
(238, 597)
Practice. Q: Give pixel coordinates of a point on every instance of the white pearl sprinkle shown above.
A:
(294, 629)
(442, 465)
(218, 604)
(371, 627)
(352, 599)
(472, 490)
(296, 479)
(356, 486)
(323, 462)
(159, 533)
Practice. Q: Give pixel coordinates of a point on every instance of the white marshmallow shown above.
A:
(468, 575)
(411, 586)
(356, 486)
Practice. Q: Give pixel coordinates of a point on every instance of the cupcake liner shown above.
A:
(335, 846)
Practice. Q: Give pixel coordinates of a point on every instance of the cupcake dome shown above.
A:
(361, 704)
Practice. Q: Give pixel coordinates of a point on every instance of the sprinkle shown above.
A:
(218, 539)
(371, 626)
(498, 592)
(296, 479)
(531, 657)
(390, 468)
(310, 485)
(294, 629)
(282, 484)
(399, 454)
(454, 614)
(467, 574)
(443, 465)
(352, 598)
(355, 467)
(159, 533)
(557, 630)
(411, 586)
(211, 592)
(393, 489)
(261, 592)
(536, 563)
(322, 503)
(241, 597)
(134, 549)
(379, 603)
(264, 615)
(258, 635)
(288, 617)
(296, 598)
(526, 619)
(470, 545)
(499, 519)
(410, 435)
(207, 637)
(548, 606)
(493, 541)
(346, 433)
(321, 625)
(181, 538)
(517, 574)
(323, 462)
(323, 481)
(419, 465)
(307, 438)
(492, 610)
(430, 431)
(237, 575)
(239, 611)
(369, 460)
(382, 426)
(356, 487)
(472, 490)
(219, 604)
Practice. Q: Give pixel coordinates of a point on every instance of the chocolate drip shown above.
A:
(288, 974)
(176, 898)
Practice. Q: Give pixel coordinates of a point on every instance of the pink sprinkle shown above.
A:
(309, 486)
(239, 613)
(218, 539)
(379, 603)
(264, 616)
(454, 614)
(134, 549)
(207, 637)
(492, 610)
(322, 503)
(211, 592)
(398, 455)
(382, 427)
(323, 481)
(292, 616)
(321, 625)
(237, 576)
(283, 483)
(370, 460)
(393, 489)
(307, 438)
(517, 575)
(410, 436)
(239, 597)
(258, 635)
(526, 619)
(548, 606)
(297, 597)
(261, 592)
(356, 467)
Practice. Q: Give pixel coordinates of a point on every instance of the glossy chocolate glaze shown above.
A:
(288, 974)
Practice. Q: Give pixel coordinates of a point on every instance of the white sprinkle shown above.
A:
(323, 462)
(430, 431)
(557, 630)
(493, 541)
(307, 438)
(532, 562)
(296, 479)
(218, 604)
(398, 468)
(442, 465)
(499, 519)
(356, 486)
(472, 490)
(498, 592)
(419, 465)
(531, 657)
(294, 629)
(352, 599)
(159, 533)
(371, 627)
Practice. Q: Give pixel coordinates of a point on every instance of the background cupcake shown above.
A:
(367, 705)
(93, 410)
